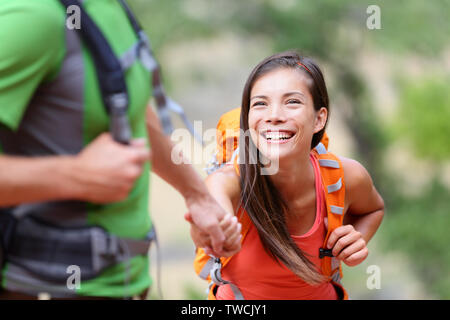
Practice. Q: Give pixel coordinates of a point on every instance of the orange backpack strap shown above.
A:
(333, 182)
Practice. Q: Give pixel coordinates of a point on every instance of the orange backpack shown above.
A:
(209, 267)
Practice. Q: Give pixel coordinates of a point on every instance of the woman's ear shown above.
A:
(321, 119)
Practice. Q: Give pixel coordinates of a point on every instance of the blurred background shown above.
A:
(390, 110)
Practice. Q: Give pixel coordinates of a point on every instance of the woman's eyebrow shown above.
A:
(284, 95)
(292, 93)
(261, 96)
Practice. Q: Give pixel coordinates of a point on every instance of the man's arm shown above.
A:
(34, 180)
(103, 172)
(203, 209)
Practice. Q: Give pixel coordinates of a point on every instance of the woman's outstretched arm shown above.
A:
(223, 185)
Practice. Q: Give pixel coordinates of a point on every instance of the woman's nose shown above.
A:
(275, 115)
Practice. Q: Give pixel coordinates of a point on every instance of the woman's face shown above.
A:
(281, 118)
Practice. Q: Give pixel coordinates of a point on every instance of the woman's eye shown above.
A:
(294, 101)
(259, 103)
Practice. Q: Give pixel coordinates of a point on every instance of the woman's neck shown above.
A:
(294, 177)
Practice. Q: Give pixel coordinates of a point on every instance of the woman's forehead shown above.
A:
(280, 81)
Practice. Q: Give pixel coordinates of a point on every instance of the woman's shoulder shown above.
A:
(358, 181)
(225, 181)
(354, 171)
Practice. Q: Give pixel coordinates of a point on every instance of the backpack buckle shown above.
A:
(325, 253)
(215, 274)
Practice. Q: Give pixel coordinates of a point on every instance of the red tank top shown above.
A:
(259, 277)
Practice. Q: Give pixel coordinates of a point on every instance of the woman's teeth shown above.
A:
(278, 135)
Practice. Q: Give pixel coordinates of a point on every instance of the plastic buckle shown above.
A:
(118, 102)
(215, 273)
(325, 253)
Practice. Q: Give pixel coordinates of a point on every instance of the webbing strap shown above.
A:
(335, 187)
(336, 209)
(130, 56)
(216, 277)
(111, 78)
(47, 250)
(163, 102)
(329, 163)
(320, 148)
(204, 273)
(336, 277)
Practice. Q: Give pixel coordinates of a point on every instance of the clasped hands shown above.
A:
(229, 227)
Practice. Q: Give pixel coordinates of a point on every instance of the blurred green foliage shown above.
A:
(423, 117)
(193, 293)
(335, 32)
(419, 226)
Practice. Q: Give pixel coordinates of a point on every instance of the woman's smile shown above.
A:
(278, 136)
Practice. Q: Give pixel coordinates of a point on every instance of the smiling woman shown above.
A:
(300, 222)
(284, 93)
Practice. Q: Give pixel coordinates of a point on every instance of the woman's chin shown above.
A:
(272, 155)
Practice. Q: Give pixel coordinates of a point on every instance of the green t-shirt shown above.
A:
(33, 57)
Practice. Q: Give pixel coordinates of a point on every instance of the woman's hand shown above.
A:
(348, 245)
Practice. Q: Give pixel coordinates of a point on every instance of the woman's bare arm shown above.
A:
(224, 186)
(365, 205)
(365, 210)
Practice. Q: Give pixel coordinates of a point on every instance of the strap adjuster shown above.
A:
(118, 103)
(325, 253)
(215, 273)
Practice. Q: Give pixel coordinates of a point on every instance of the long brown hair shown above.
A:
(263, 203)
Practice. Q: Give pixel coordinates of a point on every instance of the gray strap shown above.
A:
(216, 277)
(137, 247)
(164, 103)
(141, 247)
(320, 148)
(235, 154)
(335, 187)
(175, 107)
(19, 279)
(335, 263)
(145, 53)
(207, 269)
(329, 163)
(105, 248)
(130, 56)
(337, 210)
(237, 293)
(139, 51)
(213, 165)
(336, 277)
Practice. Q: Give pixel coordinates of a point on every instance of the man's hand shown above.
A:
(348, 245)
(105, 170)
(231, 229)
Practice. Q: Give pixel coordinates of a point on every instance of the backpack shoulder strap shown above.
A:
(333, 183)
(111, 78)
